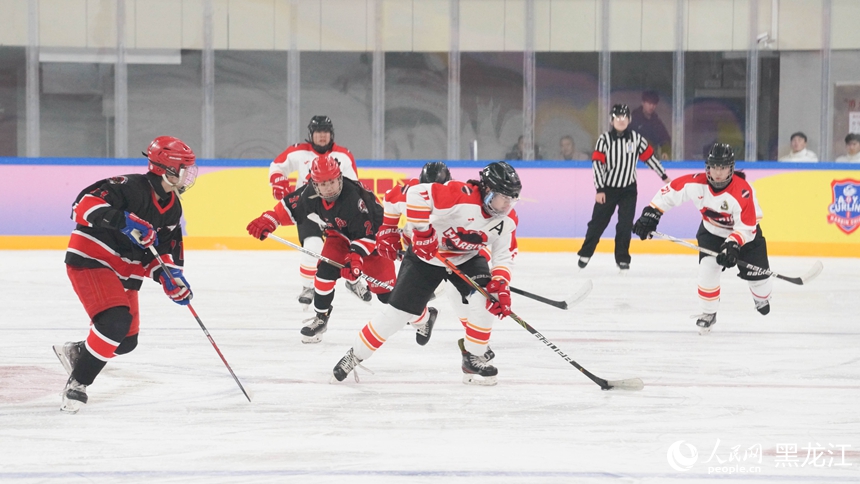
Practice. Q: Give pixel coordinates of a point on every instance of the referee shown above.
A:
(614, 163)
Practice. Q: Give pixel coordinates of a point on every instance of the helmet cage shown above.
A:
(324, 169)
(170, 158)
(720, 155)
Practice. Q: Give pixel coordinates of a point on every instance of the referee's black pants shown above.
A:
(625, 200)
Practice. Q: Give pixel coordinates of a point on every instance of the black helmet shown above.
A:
(620, 111)
(320, 123)
(435, 172)
(501, 177)
(721, 154)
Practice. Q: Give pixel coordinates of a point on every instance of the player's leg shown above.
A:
(105, 300)
(709, 280)
(310, 237)
(129, 343)
(416, 282)
(334, 248)
(474, 347)
(761, 285)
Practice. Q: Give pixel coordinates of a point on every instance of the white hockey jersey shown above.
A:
(462, 227)
(299, 156)
(732, 212)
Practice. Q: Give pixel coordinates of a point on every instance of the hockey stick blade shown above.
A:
(577, 298)
(564, 304)
(630, 384)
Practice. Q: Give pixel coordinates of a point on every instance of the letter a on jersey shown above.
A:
(498, 228)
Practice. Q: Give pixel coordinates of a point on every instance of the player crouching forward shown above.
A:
(455, 221)
(352, 216)
(730, 216)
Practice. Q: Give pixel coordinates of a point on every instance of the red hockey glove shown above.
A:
(424, 243)
(280, 186)
(729, 252)
(501, 306)
(388, 242)
(139, 231)
(179, 292)
(260, 227)
(352, 267)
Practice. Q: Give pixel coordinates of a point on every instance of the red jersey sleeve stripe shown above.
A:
(85, 208)
(598, 156)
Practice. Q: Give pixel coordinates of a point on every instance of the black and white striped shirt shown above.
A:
(615, 156)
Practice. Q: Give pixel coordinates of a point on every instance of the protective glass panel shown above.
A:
(12, 101)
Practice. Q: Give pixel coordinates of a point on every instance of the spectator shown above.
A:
(852, 145)
(516, 152)
(645, 121)
(799, 152)
(567, 150)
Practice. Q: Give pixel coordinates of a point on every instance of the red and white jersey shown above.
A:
(298, 158)
(462, 226)
(394, 204)
(732, 212)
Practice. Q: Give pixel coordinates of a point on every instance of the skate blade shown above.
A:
(704, 331)
(310, 340)
(305, 307)
(472, 379)
(71, 407)
(61, 355)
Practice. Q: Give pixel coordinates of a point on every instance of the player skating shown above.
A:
(352, 215)
(730, 216)
(298, 158)
(118, 220)
(455, 220)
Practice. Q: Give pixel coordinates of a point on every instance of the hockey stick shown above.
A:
(172, 280)
(804, 279)
(570, 301)
(564, 304)
(325, 259)
(628, 384)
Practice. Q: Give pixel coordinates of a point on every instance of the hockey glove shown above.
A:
(260, 227)
(424, 243)
(501, 306)
(388, 242)
(280, 186)
(351, 267)
(179, 292)
(647, 223)
(728, 256)
(139, 231)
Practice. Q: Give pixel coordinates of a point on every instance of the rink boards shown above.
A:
(809, 208)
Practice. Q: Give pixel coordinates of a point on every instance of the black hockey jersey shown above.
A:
(99, 211)
(356, 214)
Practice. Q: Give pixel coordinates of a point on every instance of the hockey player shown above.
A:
(455, 220)
(118, 220)
(730, 216)
(614, 164)
(389, 244)
(298, 158)
(352, 216)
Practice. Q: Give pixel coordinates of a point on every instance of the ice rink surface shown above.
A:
(760, 399)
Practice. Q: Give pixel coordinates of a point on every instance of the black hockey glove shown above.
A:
(647, 223)
(728, 256)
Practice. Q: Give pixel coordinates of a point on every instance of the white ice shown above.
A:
(785, 386)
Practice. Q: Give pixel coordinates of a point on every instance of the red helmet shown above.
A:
(170, 157)
(324, 168)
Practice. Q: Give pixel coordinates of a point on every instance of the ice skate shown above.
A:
(705, 321)
(346, 364)
(582, 262)
(68, 354)
(74, 396)
(422, 333)
(623, 268)
(306, 297)
(315, 327)
(763, 307)
(360, 290)
(476, 369)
